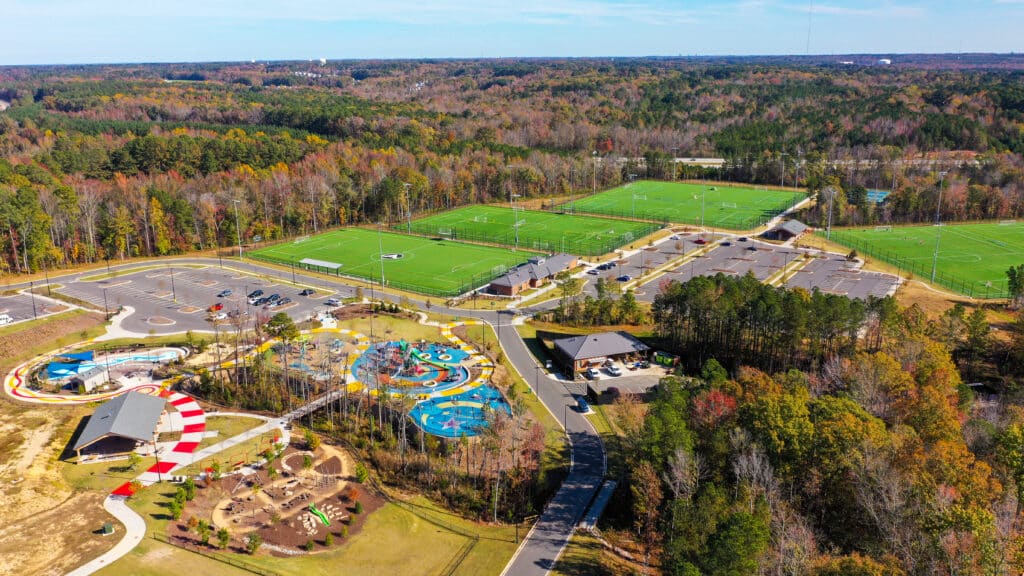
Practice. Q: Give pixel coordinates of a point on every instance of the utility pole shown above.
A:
(595, 171)
(782, 165)
(238, 228)
(675, 151)
(938, 226)
(380, 253)
(32, 294)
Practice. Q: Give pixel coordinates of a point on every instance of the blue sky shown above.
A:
(66, 31)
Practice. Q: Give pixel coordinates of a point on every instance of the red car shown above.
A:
(700, 241)
(215, 308)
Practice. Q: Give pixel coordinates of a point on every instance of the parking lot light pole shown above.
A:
(174, 294)
(32, 294)
(106, 311)
(938, 226)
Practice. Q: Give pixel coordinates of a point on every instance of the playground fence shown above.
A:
(920, 268)
(240, 564)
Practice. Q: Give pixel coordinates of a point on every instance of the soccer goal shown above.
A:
(728, 205)
(499, 270)
(520, 223)
(301, 239)
(627, 237)
(483, 219)
(1007, 222)
(883, 228)
(639, 196)
(444, 232)
(761, 188)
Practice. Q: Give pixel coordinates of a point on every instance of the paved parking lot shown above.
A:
(835, 275)
(19, 307)
(182, 295)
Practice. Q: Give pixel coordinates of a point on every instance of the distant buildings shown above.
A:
(883, 62)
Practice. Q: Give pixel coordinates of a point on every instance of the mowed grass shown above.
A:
(731, 207)
(547, 231)
(426, 266)
(973, 258)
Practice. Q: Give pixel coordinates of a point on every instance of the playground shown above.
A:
(325, 354)
(730, 207)
(463, 414)
(531, 229)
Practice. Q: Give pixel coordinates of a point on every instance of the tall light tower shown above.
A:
(408, 205)
(380, 253)
(938, 225)
(238, 227)
(702, 194)
(595, 171)
(782, 165)
(675, 152)
(831, 192)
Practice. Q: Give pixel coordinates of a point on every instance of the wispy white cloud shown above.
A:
(876, 11)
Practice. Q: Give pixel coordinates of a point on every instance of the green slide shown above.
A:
(445, 365)
(319, 514)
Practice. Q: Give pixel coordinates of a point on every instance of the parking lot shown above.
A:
(174, 299)
(20, 307)
(830, 273)
(835, 275)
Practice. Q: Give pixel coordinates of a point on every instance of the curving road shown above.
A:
(543, 545)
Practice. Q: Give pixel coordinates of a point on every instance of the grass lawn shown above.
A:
(731, 207)
(586, 556)
(154, 558)
(973, 258)
(226, 427)
(547, 231)
(423, 265)
(386, 326)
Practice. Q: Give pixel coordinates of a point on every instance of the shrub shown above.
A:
(344, 531)
(223, 538)
(253, 542)
(329, 540)
(309, 545)
(358, 508)
(362, 474)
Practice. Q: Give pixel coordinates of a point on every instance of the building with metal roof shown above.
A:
(786, 230)
(577, 353)
(532, 274)
(121, 423)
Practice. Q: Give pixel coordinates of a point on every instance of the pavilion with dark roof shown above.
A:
(119, 425)
(577, 353)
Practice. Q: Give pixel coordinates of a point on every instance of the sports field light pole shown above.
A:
(408, 205)
(938, 226)
(238, 229)
(595, 171)
(831, 196)
(675, 152)
(704, 192)
(174, 294)
(782, 165)
(380, 253)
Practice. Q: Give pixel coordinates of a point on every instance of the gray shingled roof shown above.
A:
(792, 227)
(536, 269)
(600, 345)
(133, 415)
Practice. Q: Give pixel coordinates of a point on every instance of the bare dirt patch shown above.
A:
(13, 345)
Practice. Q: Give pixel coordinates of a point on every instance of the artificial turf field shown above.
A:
(973, 258)
(428, 266)
(731, 207)
(546, 231)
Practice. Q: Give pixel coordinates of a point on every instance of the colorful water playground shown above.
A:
(413, 370)
(463, 414)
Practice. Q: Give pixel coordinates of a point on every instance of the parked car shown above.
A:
(273, 297)
(582, 405)
(752, 248)
(593, 272)
(283, 301)
(307, 292)
(255, 294)
(236, 313)
(224, 293)
(592, 373)
(332, 302)
(700, 241)
(624, 278)
(216, 307)
(261, 301)
(726, 243)
(606, 266)
(5, 319)
(614, 370)
(220, 316)
(742, 238)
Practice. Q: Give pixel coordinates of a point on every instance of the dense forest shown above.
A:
(101, 162)
(881, 461)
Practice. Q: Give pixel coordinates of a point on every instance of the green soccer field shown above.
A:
(973, 258)
(731, 207)
(434, 267)
(547, 231)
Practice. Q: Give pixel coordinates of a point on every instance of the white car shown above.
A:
(593, 373)
(332, 302)
(613, 370)
(220, 316)
(5, 319)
